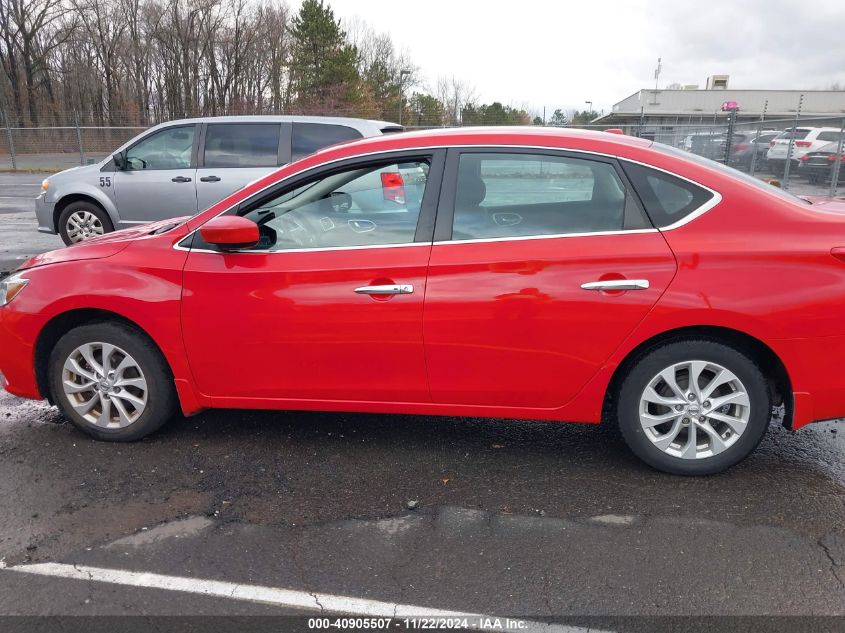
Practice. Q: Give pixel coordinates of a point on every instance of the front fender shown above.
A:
(80, 188)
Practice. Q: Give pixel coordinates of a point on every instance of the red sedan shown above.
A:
(518, 273)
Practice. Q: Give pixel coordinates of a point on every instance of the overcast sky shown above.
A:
(560, 54)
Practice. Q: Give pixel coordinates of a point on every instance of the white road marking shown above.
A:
(290, 598)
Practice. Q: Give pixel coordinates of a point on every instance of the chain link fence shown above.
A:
(802, 154)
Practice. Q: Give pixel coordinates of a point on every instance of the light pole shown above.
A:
(402, 75)
(590, 111)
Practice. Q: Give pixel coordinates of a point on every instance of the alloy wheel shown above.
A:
(104, 385)
(694, 409)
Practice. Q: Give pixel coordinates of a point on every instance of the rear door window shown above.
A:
(828, 136)
(241, 145)
(521, 195)
(309, 137)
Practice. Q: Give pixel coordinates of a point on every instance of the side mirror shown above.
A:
(119, 162)
(230, 232)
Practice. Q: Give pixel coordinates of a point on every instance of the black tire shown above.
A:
(161, 403)
(82, 206)
(657, 359)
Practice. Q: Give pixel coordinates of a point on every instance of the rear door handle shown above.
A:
(393, 289)
(180, 179)
(209, 179)
(617, 284)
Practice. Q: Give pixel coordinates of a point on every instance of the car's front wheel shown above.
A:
(81, 220)
(693, 407)
(111, 382)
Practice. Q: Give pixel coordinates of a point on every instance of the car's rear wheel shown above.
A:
(81, 220)
(111, 382)
(693, 407)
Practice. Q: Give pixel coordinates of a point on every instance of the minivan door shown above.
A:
(157, 181)
(234, 154)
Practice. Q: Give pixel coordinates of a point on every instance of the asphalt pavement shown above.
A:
(276, 513)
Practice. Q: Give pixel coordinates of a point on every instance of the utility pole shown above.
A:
(402, 75)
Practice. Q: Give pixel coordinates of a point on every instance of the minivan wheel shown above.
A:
(693, 407)
(81, 220)
(111, 382)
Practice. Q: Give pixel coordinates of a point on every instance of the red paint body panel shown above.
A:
(498, 328)
(289, 325)
(508, 324)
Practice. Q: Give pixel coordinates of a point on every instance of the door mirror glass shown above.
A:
(230, 232)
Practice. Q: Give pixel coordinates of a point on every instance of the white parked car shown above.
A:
(806, 139)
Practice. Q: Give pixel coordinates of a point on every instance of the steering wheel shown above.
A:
(298, 229)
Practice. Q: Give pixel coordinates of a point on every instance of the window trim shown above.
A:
(446, 207)
(194, 148)
(184, 244)
(423, 234)
(280, 151)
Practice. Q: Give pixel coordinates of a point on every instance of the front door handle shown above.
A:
(209, 179)
(180, 179)
(392, 289)
(617, 284)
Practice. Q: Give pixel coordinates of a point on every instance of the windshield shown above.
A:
(712, 164)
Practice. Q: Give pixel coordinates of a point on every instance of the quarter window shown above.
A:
(364, 206)
(309, 137)
(667, 198)
(167, 149)
(241, 145)
(514, 195)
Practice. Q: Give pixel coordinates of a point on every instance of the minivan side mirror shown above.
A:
(119, 161)
(230, 232)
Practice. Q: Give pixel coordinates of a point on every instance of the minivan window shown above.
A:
(241, 145)
(516, 195)
(170, 148)
(309, 137)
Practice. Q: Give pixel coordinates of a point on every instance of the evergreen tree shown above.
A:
(323, 64)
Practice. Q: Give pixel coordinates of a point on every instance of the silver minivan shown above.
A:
(182, 167)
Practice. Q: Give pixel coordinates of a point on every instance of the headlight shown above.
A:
(45, 184)
(10, 287)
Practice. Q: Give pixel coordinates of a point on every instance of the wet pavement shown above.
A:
(523, 518)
